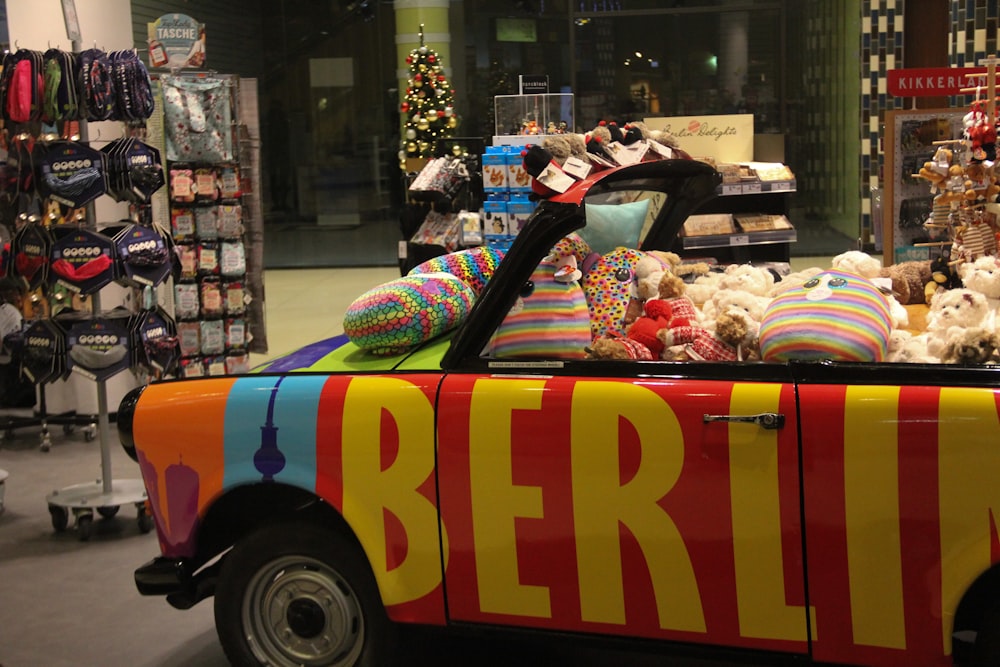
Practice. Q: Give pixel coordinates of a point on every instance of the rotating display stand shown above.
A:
(105, 495)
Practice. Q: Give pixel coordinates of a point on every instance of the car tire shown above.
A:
(297, 594)
(986, 651)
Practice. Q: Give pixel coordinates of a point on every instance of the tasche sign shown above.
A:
(933, 81)
(176, 41)
(726, 138)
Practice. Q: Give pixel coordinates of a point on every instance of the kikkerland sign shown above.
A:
(933, 81)
(725, 138)
(176, 41)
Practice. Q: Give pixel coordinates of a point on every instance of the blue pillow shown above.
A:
(612, 225)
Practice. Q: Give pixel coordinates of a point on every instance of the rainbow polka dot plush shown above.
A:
(402, 313)
(474, 266)
(835, 315)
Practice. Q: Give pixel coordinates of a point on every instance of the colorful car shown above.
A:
(837, 512)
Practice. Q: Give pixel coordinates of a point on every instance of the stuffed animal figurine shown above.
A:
(609, 285)
(473, 266)
(866, 266)
(620, 348)
(694, 343)
(756, 281)
(905, 348)
(396, 316)
(943, 278)
(730, 300)
(669, 308)
(858, 263)
(835, 315)
(954, 311)
(549, 320)
(908, 280)
(793, 280)
(970, 346)
(983, 276)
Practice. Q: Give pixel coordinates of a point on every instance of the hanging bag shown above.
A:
(197, 119)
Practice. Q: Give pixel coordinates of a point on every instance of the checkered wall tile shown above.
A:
(881, 50)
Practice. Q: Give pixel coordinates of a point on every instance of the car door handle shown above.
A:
(768, 420)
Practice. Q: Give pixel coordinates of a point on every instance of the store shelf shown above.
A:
(739, 239)
(755, 187)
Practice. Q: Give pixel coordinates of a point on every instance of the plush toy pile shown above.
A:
(635, 305)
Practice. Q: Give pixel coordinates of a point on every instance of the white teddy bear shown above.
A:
(983, 276)
(952, 312)
(858, 263)
(905, 348)
(726, 300)
(753, 280)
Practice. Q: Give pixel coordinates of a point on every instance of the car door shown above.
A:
(624, 498)
(899, 479)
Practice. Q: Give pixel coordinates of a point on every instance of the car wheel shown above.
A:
(296, 594)
(986, 650)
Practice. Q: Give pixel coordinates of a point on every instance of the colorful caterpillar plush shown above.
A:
(402, 313)
(434, 297)
(474, 266)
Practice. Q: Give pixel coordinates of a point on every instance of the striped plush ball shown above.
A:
(835, 315)
(397, 315)
(474, 266)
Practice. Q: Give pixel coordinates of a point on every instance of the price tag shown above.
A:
(739, 239)
(751, 188)
(732, 189)
(781, 186)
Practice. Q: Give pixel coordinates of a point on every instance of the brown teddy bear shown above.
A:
(618, 347)
(909, 280)
(727, 343)
(668, 309)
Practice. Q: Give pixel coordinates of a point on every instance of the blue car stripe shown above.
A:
(270, 430)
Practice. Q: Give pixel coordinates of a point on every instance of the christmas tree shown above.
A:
(428, 107)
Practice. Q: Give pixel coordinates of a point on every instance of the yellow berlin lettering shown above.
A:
(871, 508)
(369, 490)
(756, 512)
(601, 502)
(497, 501)
(968, 493)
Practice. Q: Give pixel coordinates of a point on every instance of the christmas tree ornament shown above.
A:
(411, 133)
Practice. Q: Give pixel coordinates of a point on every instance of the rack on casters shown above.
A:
(16, 418)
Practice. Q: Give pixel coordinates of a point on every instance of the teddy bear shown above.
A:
(857, 262)
(729, 341)
(618, 347)
(975, 345)
(952, 311)
(908, 280)
(906, 348)
(670, 307)
(983, 276)
(754, 280)
(726, 300)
